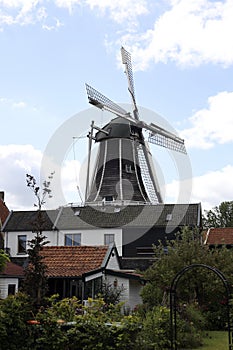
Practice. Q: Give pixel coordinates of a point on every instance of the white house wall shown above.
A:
(94, 237)
(135, 288)
(11, 240)
(113, 263)
(121, 282)
(131, 290)
(57, 238)
(4, 282)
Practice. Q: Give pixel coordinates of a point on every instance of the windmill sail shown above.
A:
(164, 138)
(126, 60)
(99, 100)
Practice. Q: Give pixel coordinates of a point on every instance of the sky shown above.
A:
(182, 56)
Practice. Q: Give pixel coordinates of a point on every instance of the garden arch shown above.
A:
(173, 307)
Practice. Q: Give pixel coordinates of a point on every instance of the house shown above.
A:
(217, 237)
(134, 228)
(20, 229)
(81, 270)
(10, 279)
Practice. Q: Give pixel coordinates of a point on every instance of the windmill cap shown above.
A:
(120, 128)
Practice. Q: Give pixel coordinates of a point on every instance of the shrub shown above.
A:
(14, 313)
(155, 332)
(91, 327)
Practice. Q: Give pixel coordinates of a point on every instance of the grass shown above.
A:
(215, 340)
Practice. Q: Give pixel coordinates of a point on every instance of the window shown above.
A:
(73, 239)
(22, 241)
(11, 289)
(109, 238)
(108, 198)
(145, 250)
(128, 168)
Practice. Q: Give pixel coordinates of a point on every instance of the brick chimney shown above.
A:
(2, 194)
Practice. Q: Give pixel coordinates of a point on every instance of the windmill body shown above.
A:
(118, 175)
(123, 173)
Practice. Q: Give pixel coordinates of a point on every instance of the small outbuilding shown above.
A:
(81, 271)
(10, 279)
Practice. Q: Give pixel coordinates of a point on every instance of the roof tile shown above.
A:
(220, 236)
(12, 269)
(65, 261)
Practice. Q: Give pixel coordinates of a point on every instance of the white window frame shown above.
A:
(108, 238)
(73, 240)
(23, 244)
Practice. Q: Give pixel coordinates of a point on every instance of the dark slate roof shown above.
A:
(130, 216)
(23, 220)
(109, 216)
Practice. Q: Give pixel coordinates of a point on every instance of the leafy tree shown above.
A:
(35, 283)
(198, 285)
(3, 259)
(219, 216)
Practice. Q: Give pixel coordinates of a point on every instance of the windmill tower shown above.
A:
(124, 171)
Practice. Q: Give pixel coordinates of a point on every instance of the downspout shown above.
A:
(207, 236)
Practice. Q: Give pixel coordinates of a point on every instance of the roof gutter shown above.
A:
(6, 221)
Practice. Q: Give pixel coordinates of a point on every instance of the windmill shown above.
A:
(124, 171)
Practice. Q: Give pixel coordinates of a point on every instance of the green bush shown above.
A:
(14, 331)
(155, 332)
(68, 325)
(190, 326)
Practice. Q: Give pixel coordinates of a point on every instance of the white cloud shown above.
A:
(20, 104)
(18, 160)
(120, 10)
(22, 12)
(190, 33)
(57, 25)
(15, 162)
(70, 181)
(25, 12)
(12, 103)
(213, 124)
(69, 4)
(210, 189)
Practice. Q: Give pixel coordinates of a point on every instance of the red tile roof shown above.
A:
(12, 269)
(219, 236)
(64, 261)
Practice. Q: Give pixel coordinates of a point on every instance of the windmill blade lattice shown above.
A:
(167, 142)
(99, 100)
(126, 60)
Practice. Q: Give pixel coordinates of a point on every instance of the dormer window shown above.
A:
(128, 168)
(108, 199)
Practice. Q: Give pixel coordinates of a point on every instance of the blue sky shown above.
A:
(182, 53)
